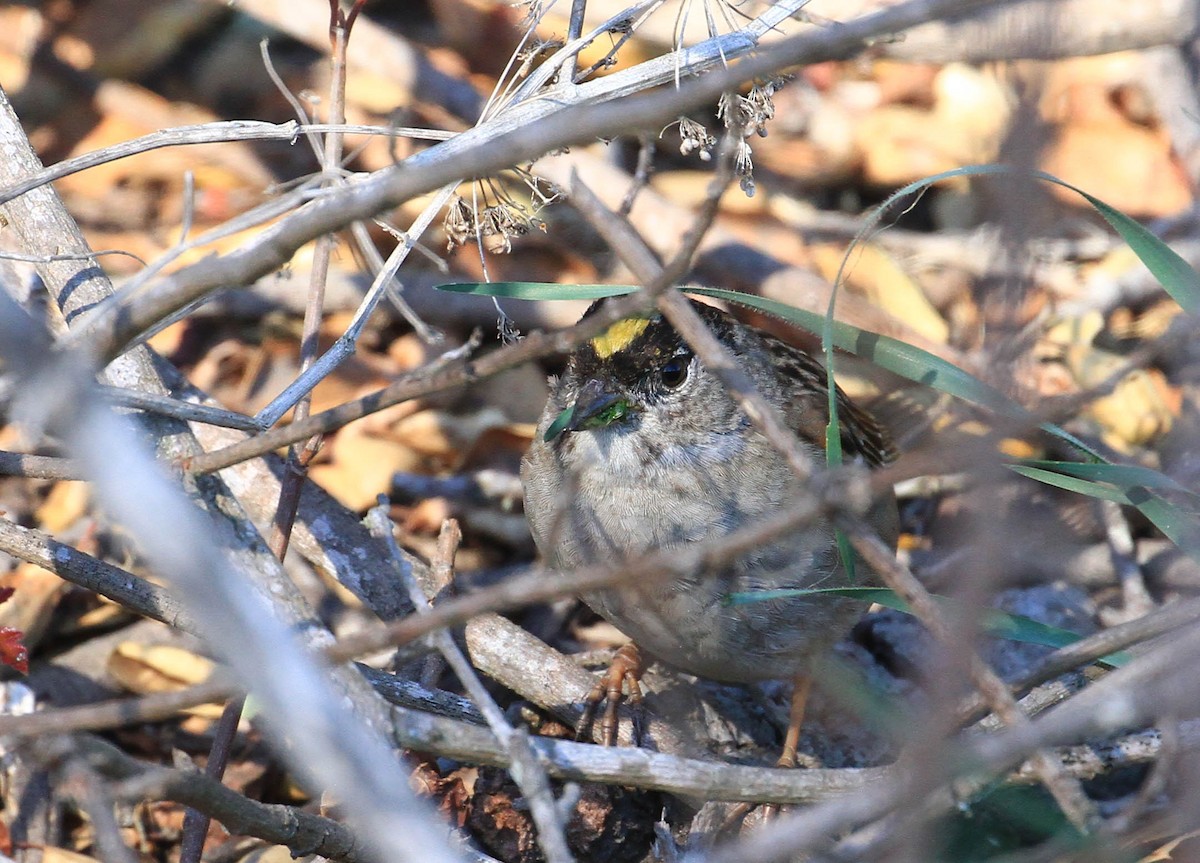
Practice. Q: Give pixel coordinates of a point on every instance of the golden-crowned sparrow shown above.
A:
(641, 448)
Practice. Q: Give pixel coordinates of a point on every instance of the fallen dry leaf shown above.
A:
(50, 854)
(35, 594)
(360, 467)
(146, 669)
(1166, 852)
(64, 505)
(885, 284)
(446, 436)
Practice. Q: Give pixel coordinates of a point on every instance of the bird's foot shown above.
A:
(624, 673)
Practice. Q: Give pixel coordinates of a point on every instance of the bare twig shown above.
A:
(93, 797)
(527, 772)
(195, 824)
(300, 831)
(38, 466)
(514, 137)
(201, 554)
(1067, 793)
(567, 74)
(222, 132)
(196, 821)
(178, 409)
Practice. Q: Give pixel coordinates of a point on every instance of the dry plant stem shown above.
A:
(328, 421)
(204, 133)
(313, 370)
(440, 585)
(640, 768)
(195, 823)
(499, 647)
(1135, 598)
(1078, 28)
(593, 109)
(300, 831)
(414, 696)
(421, 383)
(178, 409)
(885, 790)
(539, 79)
(82, 783)
(216, 559)
(1086, 651)
(1159, 622)
(526, 771)
(157, 707)
(153, 601)
(329, 536)
(377, 49)
(117, 712)
(641, 174)
(121, 586)
(241, 624)
(38, 466)
(1066, 791)
(1165, 767)
(344, 347)
(716, 780)
(566, 74)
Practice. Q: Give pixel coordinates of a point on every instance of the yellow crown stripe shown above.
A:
(619, 336)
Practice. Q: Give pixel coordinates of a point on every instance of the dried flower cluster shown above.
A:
(694, 137)
(493, 213)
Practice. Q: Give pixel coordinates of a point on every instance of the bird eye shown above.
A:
(675, 372)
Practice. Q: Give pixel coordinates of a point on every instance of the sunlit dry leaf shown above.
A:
(1142, 408)
(64, 505)
(360, 467)
(21, 28)
(1123, 158)
(443, 435)
(36, 593)
(886, 284)
(1166, 852)
(1128, 166)
(902, 143)
(51, 854)
(427, 516)
(152, 668)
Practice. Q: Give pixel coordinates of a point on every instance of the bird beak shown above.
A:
(594, 408)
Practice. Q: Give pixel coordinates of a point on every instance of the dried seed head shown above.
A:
(743, 166)
(459, 223)
(693, 136)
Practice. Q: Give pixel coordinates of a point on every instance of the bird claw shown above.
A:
(624, 673)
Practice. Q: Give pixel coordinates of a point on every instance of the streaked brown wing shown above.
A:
(862, 435)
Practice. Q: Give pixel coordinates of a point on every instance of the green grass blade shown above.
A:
(1176, 275)
(1117, 474)
(1074, 484)
(536, 290)
(922, 367)
(891, 354)
(1177, 525)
